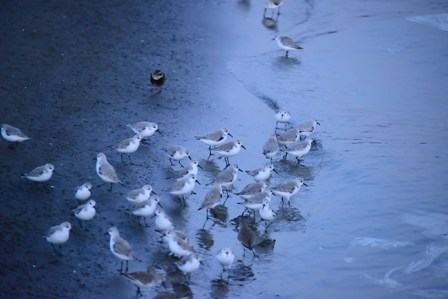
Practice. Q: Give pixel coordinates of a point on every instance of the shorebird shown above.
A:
(289, 137)
(271, 148)
(13, 134)
(251, 189)
(283, 117)
(227, 177)
(145, 208)
(308, 127)
(229, 149)
(189, 264)
(140, 194)
(273, 4)
(192, 168)
(214, 139)
(212, 198)
(299, 149)
(184, 187)
(287, 44)
(85, 212)
(144, 279)
(40, 174)
(129, 146)
(226, 258)
(288, 189)
(263, 173)
(177, 153)
(106, 171)
(144, 128)
(83, 192)
(178, 245)
(246, 235)
(58, 235)
(121, 248)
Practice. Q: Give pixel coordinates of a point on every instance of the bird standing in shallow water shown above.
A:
(226, 258)
(246, 235)
(106, 171)
(212, 198)
(263, 173)
(287, 44)
(184, 187)
(289, 188)
(273, 4)
(271, 147)
(282, 116)
(299, 149)
(121, 248)
(214, 139)
(128, 146)
(144, 279)
(308, 127)
(163, 222)
(177, 153)
(229, 149)
(189, 264)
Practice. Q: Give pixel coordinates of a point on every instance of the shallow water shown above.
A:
(372, 220)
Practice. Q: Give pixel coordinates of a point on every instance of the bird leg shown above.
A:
(139, 292)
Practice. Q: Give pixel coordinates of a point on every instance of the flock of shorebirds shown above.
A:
(256, 196)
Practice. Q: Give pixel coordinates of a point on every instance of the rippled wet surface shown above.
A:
(372, 220)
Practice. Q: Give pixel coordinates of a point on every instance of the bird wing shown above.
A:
(122, 247)
(53, 229)
(38, 171)
(125, 143)
(108, 170)
(225, 147)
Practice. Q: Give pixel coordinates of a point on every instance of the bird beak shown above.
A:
(189, 158)
(305, 184)
(317, 123)
(198, 182)
(158, 131)
(160, 205)
(243, 147)
(154, 193)
(275, 171)
(229, 134)
(200, 166)
(240, 170)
